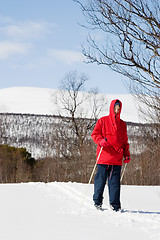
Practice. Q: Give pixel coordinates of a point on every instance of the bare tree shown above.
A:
(144, 168)
(132, 44)
(79, 110)
(75, 102)
(148, 103)
(131, 47)
(2, 129)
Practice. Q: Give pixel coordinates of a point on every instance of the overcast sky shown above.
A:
(40, 42)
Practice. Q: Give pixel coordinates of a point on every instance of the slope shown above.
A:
(39, 101)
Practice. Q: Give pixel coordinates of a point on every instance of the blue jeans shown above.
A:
(112, 173)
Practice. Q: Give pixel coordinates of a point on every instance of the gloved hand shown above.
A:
(104, 143)
(127, 160)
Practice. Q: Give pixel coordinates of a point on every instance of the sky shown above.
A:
(41, 41)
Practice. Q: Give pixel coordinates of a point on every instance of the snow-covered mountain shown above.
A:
(39, 101)
(38, 211)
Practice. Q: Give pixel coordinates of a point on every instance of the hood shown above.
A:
(112, 114)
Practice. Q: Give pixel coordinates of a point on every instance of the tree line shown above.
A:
(72, 160)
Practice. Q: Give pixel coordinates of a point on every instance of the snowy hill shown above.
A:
(38, 211)
(38, 101)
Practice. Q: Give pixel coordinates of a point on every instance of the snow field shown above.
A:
(52, 211)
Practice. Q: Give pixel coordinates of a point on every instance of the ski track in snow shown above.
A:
(136, 220)
(39, 211)
(72, 196)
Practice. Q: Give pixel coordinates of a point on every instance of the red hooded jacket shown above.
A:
(115, 131)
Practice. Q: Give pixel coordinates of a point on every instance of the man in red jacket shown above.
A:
(110, 132)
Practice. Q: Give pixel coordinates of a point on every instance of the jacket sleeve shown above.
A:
(97, 132)
(126, 152)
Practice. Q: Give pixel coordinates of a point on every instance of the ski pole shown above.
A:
(123, 171)
(91, 176)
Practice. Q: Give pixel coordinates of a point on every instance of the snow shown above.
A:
(50, 211)
(39, 101)
(26, 100)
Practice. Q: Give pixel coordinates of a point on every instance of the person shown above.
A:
(110, 134)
